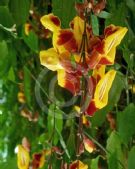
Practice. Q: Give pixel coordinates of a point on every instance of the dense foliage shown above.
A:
(30, 96)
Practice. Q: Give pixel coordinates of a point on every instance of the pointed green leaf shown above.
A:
(126, 121)
(94, 163)
(5, 17)
(115, 157)
(19, 10)
(131, 158)
(31, 40)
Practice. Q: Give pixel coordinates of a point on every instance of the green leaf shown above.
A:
(118, 17)
(11, 75)
(31, 40)
(10, 163)
(63, 144)
(71, 142)
(131, 5)
(95, 25)
(125, 122)
(4, 61)
(131, 158)
(65, 10)
(5, 17)
(94, 163)
(129, 56)
(27, 85)
(104, 14)
(19, 10)
(55, 121)
(112, 161)
(115, 155)
(114, 95)
(4, 2)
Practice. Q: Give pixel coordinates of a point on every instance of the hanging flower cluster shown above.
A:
(76, 52)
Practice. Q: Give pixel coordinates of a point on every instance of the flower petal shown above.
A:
(50, 59)
(23, 158)
(69, 81)
(99, 72)
(64, 40)
(112, 39)
(27, 28)
(21, 97)
(88, 144)
(102, 89)
(94, 59)
(78, 28)
(109, 58)
(85, 121)
(115, 37)
(38, 160)
(77, 24)
(51, 22)
(78, 165)
(91, 108)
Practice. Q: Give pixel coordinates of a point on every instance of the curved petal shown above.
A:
(85, 121)
(75, 164)
(77, 24)
(112, 39)
(23, 158)
(107, 47)
(64, 40)
(102, 89)
(38, 160)
(94, 59)
(99, 72)
(78, 28)
(88, 144)
(65, 60)
(91, 108)
(51, 22)
(27, 28)
(69, 81)
(109, 58)
(50, 59)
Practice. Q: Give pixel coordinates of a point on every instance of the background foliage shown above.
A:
(112, 128)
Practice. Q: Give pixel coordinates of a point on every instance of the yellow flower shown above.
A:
(100, 98)
(23, 158)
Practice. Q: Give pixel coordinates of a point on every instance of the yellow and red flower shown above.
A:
(88, 144)
(78, 165)
(38, 160)
(104, 49)
(99, 51)
(103, 82)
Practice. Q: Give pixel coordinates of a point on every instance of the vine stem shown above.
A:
(83, 90)
(127, 87)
